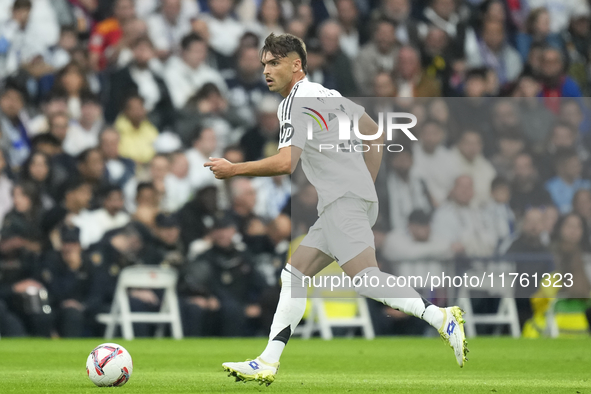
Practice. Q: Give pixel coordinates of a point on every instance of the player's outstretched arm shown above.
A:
(373, 157)
(284, 162)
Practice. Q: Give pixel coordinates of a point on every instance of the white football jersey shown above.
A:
(332, 166)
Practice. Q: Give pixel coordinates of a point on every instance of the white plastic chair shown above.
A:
(506, 313)
(144, 277)
(318, 319)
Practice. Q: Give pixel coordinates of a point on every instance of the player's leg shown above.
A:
(306, 261)
(405, 299)
(347, 224)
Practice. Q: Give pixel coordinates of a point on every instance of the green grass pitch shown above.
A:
(384, 365)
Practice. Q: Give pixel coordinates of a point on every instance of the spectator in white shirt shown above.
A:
(109, 217)
(84, 133)
(225, 31)
(272, 195)
(432, 161)
(204, 146)
(28, 32)
(119, 169)
(405, 191)
(184, 76)
(468, 160)
(168, 27)
(457, 220)
(177, 183)
(415, 249)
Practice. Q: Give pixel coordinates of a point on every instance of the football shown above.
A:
(109, 365)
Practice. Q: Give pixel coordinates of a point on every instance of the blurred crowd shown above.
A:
(109, 109)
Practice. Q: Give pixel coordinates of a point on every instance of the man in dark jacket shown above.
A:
(126, 82)
(221, 289)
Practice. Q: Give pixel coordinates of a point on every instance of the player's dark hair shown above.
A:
(283, 44)
(189, 39)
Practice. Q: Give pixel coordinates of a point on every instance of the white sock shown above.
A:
(407, 299)
(287, 316)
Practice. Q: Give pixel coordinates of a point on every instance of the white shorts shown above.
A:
(343, 229)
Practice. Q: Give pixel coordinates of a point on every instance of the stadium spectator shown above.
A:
(185, 75)
(567, 181)
(269, 19)
(262, 139)
(167, 27)
(468, 159)
(13, 123)
(411, 80)
(379, 54)
(119, 169)
(271, 195)
(20, 228)
(145, 205)
(136, 131)
(444, 14)
(492, 51)
(133, 29)
(109, 216)
(537, 31)
(500, 213)
(224, 31)
(582, 205)
(67, 274)
(555, 82)
(354, 29)
(338, 64)
(37, 170)
(197, 216)
(510, 145)
(527, 190)
(458, 220)
(72, 80)
(247, 88)
(203, 147)
(316, 63)
(416, 244)
(84, 133)
(433, 161)
(5, 189)
(74, 205)
(404, 191)
(21, 39)
(168, 240)
(139, 79)
(105, 38)
(221, 288)
(569, 243)
(177, 183)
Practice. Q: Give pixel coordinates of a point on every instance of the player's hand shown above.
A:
(222, 168)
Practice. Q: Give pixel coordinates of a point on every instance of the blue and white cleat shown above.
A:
(452, 332)
(252, 370)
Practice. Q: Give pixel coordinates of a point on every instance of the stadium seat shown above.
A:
(144, 277)
(506, 313)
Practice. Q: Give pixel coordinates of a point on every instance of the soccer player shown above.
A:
(347, 208)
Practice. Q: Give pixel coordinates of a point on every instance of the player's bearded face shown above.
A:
(277, 71)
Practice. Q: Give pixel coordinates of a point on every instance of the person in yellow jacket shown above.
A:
(136, 131)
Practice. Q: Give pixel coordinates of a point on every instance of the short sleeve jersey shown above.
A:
(331, 165)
